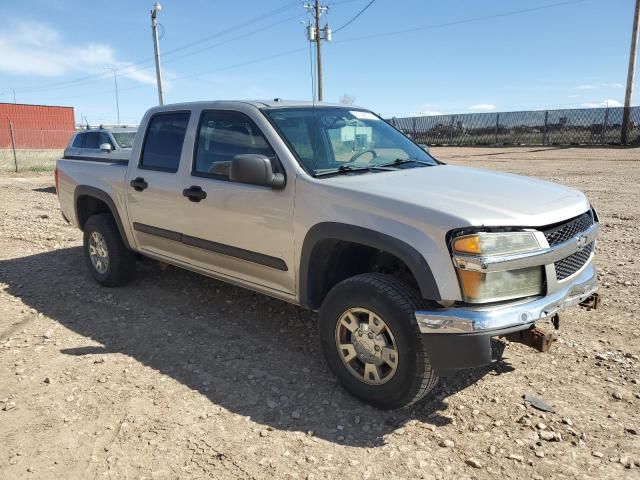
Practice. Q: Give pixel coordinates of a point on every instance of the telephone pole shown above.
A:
(630, 75)
(156, 48)
(317, 34)
(115, 81)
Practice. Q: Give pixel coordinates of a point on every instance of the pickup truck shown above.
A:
(415, 266)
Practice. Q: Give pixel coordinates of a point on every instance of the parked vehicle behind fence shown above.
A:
(414, 265)
(110, 144)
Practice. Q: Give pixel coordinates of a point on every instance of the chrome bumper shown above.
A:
(515, 314)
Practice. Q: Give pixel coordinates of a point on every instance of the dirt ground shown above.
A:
(180, 376)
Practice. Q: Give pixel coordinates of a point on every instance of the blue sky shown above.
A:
(399, 58)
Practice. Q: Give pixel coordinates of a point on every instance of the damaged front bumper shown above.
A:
(460, 337)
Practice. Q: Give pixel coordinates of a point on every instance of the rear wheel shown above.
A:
(111, 264)
(372, 343)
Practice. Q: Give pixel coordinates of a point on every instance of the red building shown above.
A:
(35, 126)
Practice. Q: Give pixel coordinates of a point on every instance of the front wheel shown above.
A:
(372, 343)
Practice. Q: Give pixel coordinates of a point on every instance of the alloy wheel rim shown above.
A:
(98, 252)
(366, 346)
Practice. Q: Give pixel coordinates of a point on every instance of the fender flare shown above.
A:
(87, 191)
(369, 238)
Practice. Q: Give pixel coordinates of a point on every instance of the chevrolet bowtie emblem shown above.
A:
(582, 241)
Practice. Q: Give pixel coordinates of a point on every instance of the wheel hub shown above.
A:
(366, 346)
(98, 252)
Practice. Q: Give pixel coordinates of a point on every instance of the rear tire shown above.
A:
(111, 264)
(372, 343)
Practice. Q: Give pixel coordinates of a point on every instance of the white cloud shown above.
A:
(605, 103)
(482, 107)
(33, 48)
(599, 85)
(428, 113)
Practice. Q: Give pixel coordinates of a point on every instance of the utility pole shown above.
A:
(14, 94)
(317, 34)
(630, 75)
(156, 47)
(115, 80)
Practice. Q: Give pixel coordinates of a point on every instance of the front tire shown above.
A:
(111, 264)
(372, 343)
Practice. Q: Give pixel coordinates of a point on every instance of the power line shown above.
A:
(355, 17)
(464, 21)
(98, 76)
(225, 42)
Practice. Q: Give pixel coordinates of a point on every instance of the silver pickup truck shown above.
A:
(414, 265)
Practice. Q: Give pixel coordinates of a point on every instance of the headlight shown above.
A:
(478, 286)
(505, 243)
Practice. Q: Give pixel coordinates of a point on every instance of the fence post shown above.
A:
(453, 119)
(413, 122)
(544, 132)
(13, 144)
(497, 124)
(605, 122)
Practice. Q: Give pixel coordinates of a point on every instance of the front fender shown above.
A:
(370, 238)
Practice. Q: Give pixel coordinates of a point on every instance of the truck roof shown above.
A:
(262, 104)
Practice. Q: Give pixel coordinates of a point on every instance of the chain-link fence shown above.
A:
(588, 126)
(30, 149)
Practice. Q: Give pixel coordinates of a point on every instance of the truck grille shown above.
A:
(568, 230)
(574, 262)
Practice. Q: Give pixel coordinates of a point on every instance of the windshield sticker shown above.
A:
(363, 115)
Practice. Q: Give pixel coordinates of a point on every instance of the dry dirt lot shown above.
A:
(180, 376)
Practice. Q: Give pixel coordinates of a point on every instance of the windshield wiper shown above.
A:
(402, 161)
(343, 169)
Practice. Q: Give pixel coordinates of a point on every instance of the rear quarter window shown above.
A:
(163, 141)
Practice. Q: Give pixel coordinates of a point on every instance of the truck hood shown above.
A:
(474, 196)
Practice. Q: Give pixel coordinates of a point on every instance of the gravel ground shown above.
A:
(180, 376)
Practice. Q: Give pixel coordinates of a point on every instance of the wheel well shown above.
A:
(86, 206)
(333, 261)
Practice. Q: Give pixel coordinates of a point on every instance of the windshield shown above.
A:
(124, 139)
(328, 139)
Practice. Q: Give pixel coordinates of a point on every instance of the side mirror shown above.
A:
(424, 146)
(255, 170)
(106, 147)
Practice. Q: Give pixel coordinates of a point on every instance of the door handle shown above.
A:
(194, 193)
(139, 184)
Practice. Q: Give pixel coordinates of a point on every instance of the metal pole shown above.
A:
(14, 95)
(630, 75)
(497, 124)
(115, 80)
(318, 50)
(156, 48)
(546, 122)
(605, 122)
(13, 143)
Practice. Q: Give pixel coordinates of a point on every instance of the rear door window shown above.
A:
(91, 140)
(163, 142)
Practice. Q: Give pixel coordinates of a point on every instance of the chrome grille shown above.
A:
(574, 262)
(566, 231)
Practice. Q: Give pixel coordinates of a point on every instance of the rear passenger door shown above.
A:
(238, 230)
(154, 194)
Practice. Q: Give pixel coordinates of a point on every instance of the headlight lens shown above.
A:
(495, 286)
(478, 287)
(503, 243)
